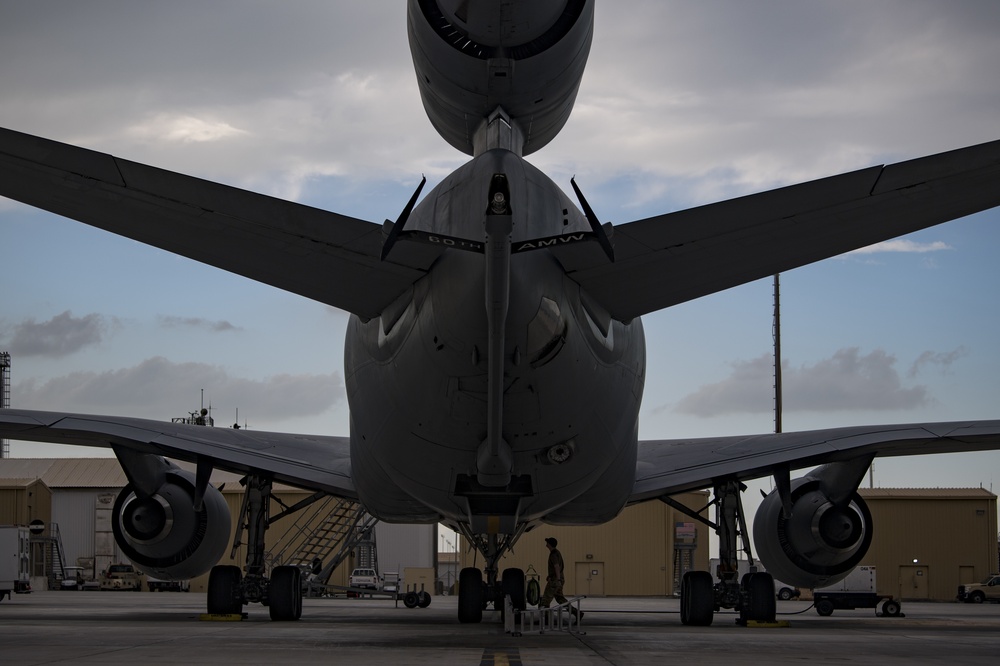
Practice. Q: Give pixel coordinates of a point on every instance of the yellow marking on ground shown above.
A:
(220, 617)
(501, 657)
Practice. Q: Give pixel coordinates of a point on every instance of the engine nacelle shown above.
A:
(164, 536)
(524, 56)
(821, 542)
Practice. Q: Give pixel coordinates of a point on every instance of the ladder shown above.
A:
(340, 525)
(53, 555)
(683, 562)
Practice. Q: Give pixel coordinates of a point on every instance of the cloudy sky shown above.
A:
(683, 103)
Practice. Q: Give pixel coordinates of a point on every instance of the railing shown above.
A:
(566, 617)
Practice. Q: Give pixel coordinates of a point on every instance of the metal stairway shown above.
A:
(341, 526)
(53, 554)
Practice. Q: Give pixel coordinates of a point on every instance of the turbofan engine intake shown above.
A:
(820, 542)
(164, 536)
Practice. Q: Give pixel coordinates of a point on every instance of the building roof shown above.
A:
(86, 473)
(66, 472)
(926, 493)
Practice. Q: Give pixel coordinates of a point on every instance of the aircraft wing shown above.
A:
(666, 467)
(668, 259)
(307, 461)
(330, 258)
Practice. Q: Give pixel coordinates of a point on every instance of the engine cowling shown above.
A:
(820, 542)
(164, 536)
(524, 56)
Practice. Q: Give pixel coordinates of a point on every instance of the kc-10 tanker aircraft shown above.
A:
(495, 357)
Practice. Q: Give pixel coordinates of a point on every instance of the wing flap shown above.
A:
(673, 258)
(667, 467)
(330, 258)
(308, 461)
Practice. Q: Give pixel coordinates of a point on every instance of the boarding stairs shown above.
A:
(683, 562)
(53, 554)
(327, 531)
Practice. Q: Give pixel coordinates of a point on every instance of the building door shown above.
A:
(589, 579)
(913, 582)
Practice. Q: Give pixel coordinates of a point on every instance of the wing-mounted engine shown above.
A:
(817, 530)
(163, 524)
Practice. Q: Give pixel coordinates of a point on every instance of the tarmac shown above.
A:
(165, 628)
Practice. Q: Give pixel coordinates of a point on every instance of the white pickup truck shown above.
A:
(365, 579)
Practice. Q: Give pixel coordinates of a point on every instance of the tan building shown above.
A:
(633, 555)
(928, 541)
(77, 494)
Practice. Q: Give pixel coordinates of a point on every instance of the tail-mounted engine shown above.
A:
(821, 531)
(524, 56)
(162, 532)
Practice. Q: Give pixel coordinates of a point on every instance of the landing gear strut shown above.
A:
(229, 590)
(753, 596)
(475, 594)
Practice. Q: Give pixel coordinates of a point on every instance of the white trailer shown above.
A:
(855, 591)
(15, 560)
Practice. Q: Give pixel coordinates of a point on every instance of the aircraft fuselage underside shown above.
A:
(417, 377)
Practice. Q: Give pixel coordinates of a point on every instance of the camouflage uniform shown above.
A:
(554, 582)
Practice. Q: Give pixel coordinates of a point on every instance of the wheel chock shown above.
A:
(223, 617)
(777, 624)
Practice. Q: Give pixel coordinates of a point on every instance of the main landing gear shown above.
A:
(229, 590)
(475, 594)
(701, 596)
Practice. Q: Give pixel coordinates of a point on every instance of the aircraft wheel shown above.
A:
(759, 605)
(284, 594)
(697, 599)
(470, 595)
(410, 599)
(423, 599)
(224, 597)
(512, 584)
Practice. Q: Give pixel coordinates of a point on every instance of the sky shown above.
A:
(682, 104)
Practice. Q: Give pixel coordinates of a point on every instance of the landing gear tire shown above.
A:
(285, 594)
(470, 596)
(697, 599)
(224, 596)
(759, 605)
(410, 600)
(513, 587)
(423, 599)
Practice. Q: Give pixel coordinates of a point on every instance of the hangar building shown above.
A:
(926, 542)
(74, 498)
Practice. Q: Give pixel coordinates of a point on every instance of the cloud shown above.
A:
(160, 389)
(168, 321)
(846, 381)
(943, 360)
(60, 336)
(902, 245)
(182, 128)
